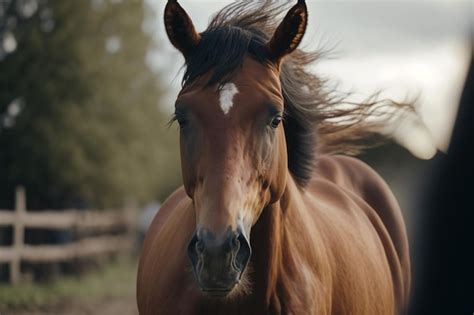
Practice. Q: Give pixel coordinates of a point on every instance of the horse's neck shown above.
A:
(284, 251)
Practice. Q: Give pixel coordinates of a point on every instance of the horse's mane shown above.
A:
(317, 118)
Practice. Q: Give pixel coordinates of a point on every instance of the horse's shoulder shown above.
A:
(352, 179)
(355, 175)
(359, 178)
(177, 199)
(351, 174)
(170, 229)
(333, 166)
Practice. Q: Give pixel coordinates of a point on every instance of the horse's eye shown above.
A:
(181, 120)
(276, 122)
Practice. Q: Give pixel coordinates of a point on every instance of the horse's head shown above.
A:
(233, 148)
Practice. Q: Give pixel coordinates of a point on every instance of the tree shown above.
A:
(79, 114)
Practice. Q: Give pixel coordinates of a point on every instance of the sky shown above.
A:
(406, 49)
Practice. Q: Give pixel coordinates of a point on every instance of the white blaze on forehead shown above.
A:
(226, 98)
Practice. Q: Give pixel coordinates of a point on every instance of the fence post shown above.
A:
(130, 213)
(18, 235)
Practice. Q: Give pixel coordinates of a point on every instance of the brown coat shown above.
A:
(338, 247)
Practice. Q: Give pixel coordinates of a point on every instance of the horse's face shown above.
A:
(234, 164)
(233, 152)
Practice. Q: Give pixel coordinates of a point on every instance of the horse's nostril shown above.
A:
(193, 250)
(199, 247)
(243, 252)
(235, 243)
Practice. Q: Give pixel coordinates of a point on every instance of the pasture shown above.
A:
(108, 288)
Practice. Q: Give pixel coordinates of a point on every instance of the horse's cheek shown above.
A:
(189, 153)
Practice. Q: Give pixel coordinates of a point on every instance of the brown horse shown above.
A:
(266, 223)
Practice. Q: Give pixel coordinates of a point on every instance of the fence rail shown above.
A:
(69, 219)
(76, 220)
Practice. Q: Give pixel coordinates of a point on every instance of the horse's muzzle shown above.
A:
(218, 263)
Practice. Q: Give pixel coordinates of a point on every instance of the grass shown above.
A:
(114, 280)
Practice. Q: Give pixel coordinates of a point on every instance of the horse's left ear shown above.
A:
(289, 33)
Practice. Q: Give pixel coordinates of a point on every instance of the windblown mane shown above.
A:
(317, 119)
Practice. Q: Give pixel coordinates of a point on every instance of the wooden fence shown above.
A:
(81, 222)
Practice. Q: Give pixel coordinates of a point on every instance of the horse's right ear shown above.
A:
(180, 28)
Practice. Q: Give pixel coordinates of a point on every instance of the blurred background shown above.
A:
(87, 88)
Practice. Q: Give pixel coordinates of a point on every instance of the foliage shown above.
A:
(80, 120)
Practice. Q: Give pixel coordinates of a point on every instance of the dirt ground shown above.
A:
(123, 306)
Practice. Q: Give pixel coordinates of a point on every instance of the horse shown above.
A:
(271, 217)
